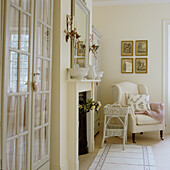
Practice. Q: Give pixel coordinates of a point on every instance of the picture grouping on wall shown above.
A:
(141, 49)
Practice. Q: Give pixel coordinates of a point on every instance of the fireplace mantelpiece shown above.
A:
(74, 88)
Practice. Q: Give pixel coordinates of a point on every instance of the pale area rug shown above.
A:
(134, 157)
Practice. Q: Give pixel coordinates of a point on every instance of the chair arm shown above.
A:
(159, 108)
(132, 114)
(157, 105)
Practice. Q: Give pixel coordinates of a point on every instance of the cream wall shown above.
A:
(61, 61)
(131, 22)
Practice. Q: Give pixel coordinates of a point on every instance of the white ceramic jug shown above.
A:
(92, 72)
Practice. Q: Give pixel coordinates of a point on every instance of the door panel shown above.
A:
(26, 5)
(11, 155)
(46, 75)
(42, 76)
(13, 71)
(37, 145)
(44, 147)
(37, 110)
(25, 29)
(23, 113)
(47, 12)
(46, 36)
(16, 2)
(17, 98)
(24, 67)
(22, 153)
(12, 116)
(39, 9)
(45, 108)
(14, 28)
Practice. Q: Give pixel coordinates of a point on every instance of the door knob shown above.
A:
(35, 85)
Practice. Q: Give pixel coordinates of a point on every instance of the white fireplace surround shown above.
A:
(74, 88)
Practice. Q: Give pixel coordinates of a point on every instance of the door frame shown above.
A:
(166, 72)
(4, 82)
(1, 53)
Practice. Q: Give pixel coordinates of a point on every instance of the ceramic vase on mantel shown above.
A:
(92, 72)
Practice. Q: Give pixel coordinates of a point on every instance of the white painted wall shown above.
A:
(131, 22)
(61, 61)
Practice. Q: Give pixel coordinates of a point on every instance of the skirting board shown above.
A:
(59, 166)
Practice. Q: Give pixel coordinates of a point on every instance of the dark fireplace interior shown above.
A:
(83, 149)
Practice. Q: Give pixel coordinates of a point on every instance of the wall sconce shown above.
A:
(71, 33)
(93, 48)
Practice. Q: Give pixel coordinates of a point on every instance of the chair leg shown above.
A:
(124, 139)
(161, 135)
(104, 131)
(133, 137)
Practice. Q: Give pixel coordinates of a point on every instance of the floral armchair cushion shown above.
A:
(139, 102)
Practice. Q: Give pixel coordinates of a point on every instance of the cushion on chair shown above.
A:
(145, 120)
(138, 102)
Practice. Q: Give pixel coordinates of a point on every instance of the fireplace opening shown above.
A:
(83, 149)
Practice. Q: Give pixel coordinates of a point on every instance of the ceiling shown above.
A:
(126, 2)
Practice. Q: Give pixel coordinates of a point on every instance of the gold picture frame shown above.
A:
(81, 48)
(81, 62)
(141, 65)
(141, 47)
(126, 48)
(126, 65)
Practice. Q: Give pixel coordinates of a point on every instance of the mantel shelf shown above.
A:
(84, 80)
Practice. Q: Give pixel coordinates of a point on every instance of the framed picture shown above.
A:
(126, 48)
(81, 62)
(141, 48)
(127, 65)
(141, 65)
(81, 48)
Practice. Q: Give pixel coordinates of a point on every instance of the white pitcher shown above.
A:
(92, 72)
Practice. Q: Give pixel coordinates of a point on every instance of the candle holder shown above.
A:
(69, 31)
(93, 48)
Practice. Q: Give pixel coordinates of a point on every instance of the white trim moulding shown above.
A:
(129, 2)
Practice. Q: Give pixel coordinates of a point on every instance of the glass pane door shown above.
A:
(42, 79)
(18, 95)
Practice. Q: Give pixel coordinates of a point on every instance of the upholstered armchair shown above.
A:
(138, 123)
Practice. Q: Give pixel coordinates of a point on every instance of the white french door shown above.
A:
(42, 77)
(26, 110)
(17, 87)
